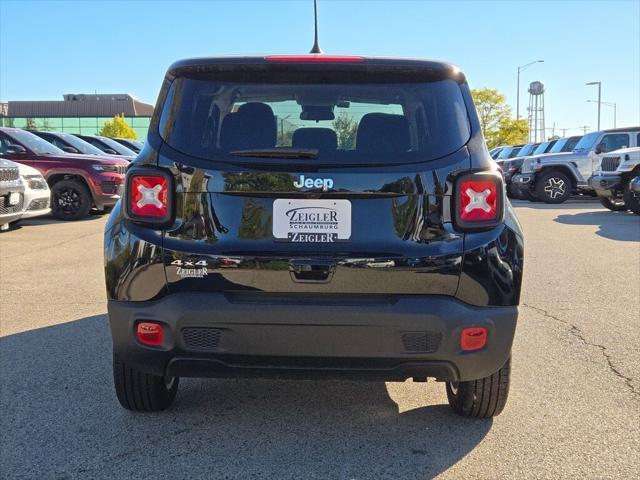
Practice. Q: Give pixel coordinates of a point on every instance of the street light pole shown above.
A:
(599, 98)
(518, 97)
(609, 104)
(520, 69)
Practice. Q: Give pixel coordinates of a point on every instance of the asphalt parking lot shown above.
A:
(573, 412)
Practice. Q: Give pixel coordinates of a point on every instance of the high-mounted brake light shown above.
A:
(148, 196)
(479, 200)
(314, 58)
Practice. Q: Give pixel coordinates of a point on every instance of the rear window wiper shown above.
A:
(277, 153)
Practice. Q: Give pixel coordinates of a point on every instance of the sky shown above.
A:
(50, 48)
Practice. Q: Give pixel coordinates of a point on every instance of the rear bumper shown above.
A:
(370, 337)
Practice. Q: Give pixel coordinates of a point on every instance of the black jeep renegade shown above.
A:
(314, 216)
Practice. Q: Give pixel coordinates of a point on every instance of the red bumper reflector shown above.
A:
(150, 333)
(314, 58)
(473, 338)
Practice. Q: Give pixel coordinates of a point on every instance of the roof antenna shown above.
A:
(316, 47)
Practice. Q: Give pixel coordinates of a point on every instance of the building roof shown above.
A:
(81, 105)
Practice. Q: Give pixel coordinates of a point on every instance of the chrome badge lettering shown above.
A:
(324, 183)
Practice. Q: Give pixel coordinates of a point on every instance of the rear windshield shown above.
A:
(345, 123)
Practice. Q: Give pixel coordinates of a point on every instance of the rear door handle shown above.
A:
(311, 270)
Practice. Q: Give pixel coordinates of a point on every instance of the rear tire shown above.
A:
(142, 392)
(70, 200)
(514, 192)
(616, 204)
(553, 186)
(483, 398)
(631, 200)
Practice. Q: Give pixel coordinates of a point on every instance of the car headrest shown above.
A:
(320, 138)
(252, 126)
(383, 132)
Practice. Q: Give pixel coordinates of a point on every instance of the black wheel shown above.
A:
(528, 195)
(483, 398)
(514, 192)
(632, 200)
(553, 187)
(615, 204)
(70, 200)
(142, 392)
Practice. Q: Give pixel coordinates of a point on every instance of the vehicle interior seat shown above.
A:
(252, 126)
(383, 133)
(324, 139)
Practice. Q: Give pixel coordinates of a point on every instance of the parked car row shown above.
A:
(91, 144)
(74, 181)
(554, 170)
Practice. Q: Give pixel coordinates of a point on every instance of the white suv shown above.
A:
(552, 178)
(612, 179)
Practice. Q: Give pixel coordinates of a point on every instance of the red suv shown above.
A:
(78, 182)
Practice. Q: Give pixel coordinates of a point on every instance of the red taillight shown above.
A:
(473, 338)
(478, 200)
(148, 195)
(150, 333)
(314, 58)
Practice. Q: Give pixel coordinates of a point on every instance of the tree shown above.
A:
(496, 123)
(511, 132)
(117, 128)
(345, 128)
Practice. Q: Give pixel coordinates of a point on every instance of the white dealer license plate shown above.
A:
(14, 198)
(311, 221)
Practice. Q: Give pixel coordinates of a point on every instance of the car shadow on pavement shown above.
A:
(570, 205)
(622, 226)
(60, 419)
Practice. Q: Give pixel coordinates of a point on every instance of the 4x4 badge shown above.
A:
(190, 268)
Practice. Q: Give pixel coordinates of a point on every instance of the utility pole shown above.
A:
(599, 98)
(520, 69)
